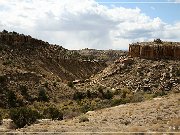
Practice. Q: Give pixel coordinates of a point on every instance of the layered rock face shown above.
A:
(153, 50)
(13, 38)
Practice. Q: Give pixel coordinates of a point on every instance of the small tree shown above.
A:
(24, 93)
(108, 95)
(158, 41)
(53, 113)
(15, 33)
(42, 95)
(88, 93)
(101, 92)
(11, 99)
(78, 95)
(23, 116)
(24, 90)
(70, 84)
(2, 79)
(1, 119)
(4, 31)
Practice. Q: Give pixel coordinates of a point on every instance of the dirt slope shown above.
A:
(159, 115)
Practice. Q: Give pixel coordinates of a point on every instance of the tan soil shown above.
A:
(157, 115)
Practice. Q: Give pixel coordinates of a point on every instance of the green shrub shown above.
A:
(148, 96)
(53, 113)
(125, 92)
(108, 94)
(88, 94)
(1, 119)
(1, 47)
(24, 90)
(70, 84)
(7, 62)
(78, 95)
(42, 95)
(94, 94)
(115, 102)
(100, 93)
(104, 94)
(86, 105)
(24, 93)
(158, 41)
(4, 113)
(23, 116)
(119, 101)
(100, 89)
(15, 33)
(46, 84)
(54, 84)
(159, 93)
(126, 100)
(2, 79)
(4, 31)
(11, 99)
(85, 108)
(178, 72)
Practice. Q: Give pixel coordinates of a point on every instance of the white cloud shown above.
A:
(177, 0)
(77, 24)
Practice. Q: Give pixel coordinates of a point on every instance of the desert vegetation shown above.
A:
(23, 116)
(1, 119)
(60, 84)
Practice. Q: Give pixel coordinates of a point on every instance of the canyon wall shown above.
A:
(152, 50)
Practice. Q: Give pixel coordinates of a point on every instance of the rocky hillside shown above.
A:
(33, 65)
(40, 77)
(101, 55)
(36, 55)
(138, 74)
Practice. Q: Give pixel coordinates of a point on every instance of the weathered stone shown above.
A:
(146, 80)
(151, 50)
(149, 74)
(19, 39)
(171, 69)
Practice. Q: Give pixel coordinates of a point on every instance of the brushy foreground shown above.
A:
(156, 115)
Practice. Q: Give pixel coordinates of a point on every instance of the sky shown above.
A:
(97, 24)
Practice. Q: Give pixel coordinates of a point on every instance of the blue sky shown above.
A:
(167, 10)
(99, 24)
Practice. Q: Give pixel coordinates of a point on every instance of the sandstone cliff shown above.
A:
(154, 50)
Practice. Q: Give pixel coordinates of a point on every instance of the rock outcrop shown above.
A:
(14, 38)
(155, 50)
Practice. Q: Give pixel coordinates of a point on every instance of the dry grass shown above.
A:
(153, 115)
